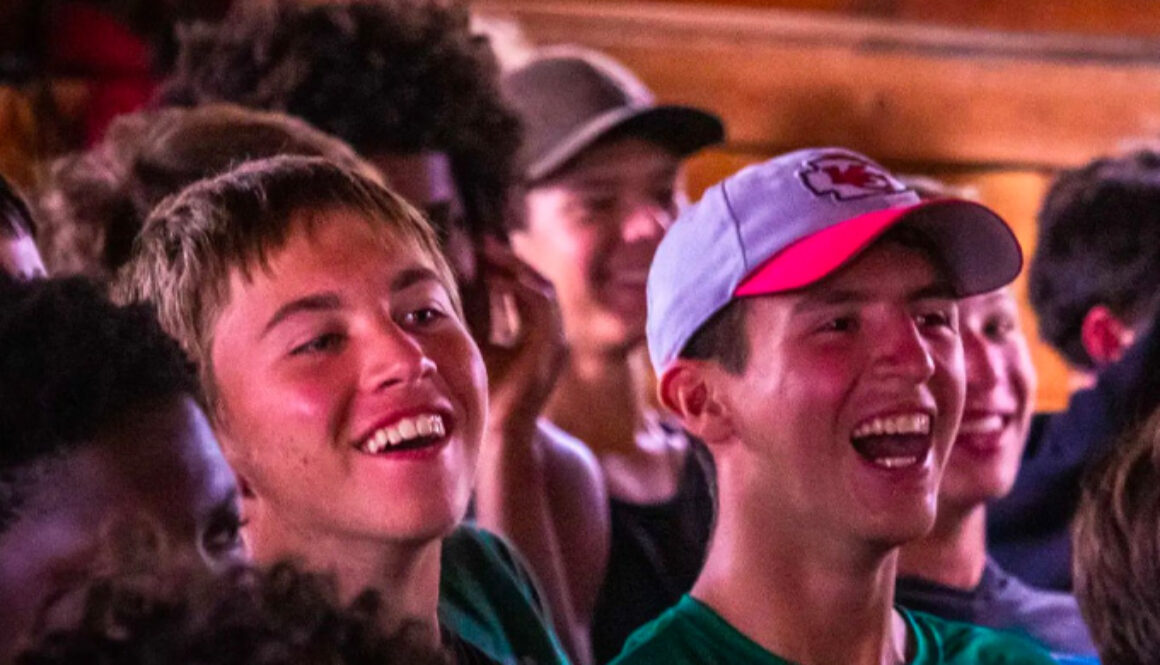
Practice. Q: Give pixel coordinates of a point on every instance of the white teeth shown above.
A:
(405, 430)
(984, 425)
(917, 423)
(895, 462)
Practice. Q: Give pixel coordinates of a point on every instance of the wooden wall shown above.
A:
(919, 85)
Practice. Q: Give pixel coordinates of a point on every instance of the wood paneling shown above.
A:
(1139, 18)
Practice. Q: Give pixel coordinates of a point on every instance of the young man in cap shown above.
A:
(803, 321)
(601, 162)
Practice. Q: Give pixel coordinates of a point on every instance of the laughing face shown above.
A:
(1000, 382)
(351, 394)
(593, 231)
(847, 407)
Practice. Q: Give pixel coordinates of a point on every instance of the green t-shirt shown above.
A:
(487, 599)
(690, 632)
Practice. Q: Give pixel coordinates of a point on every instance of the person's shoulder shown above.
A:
(692, 633)
(488, 597)
(476, 553)
(942, 642)
(662, 640)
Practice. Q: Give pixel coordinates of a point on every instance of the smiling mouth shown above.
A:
(406, 434)
(900, 441)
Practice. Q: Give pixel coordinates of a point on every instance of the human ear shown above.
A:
(689, 390)
(1104, 336)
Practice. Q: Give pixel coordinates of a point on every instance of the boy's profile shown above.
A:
(803, 321)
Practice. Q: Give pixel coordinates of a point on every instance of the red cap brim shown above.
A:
(814, 257)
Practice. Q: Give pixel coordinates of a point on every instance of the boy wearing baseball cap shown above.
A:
(803, 322)
(601, 166)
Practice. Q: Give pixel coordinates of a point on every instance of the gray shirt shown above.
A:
(1001, 601)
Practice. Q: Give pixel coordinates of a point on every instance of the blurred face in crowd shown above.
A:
(426, 181)
(1001, 383)
(358, 409)
(843, 417)
(159, 470)
(19, 257)
(592, 231)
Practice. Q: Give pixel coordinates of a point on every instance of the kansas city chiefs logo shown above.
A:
(846, 177)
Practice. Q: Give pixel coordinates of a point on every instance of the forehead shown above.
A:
(324, 241)
(620, 160)
(162, 463)
(423, 178)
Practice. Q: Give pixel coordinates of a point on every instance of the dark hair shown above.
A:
(1098, 244)
(93, 204)
(193, 242)
(722, 338)
(1116, 536)
(71, 362)
(275, 617)
(15, 218)
(386, 76)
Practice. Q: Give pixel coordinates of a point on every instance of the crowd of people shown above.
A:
(353, 345)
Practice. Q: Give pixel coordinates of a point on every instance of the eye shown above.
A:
(599, 205)
(936, 318)
(223, 538)
(424, 316)
(320, 344)
(998, 328)
(840, 324)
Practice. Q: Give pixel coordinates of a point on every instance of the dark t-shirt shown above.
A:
(1001, 601)
(656, 554)
(1028, 531)
(693, 634)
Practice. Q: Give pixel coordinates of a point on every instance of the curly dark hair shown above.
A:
(251, 617)
(15, 218)
(387, 76)
(1098, 244)
(70, 363)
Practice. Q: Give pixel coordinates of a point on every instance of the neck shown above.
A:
(954, 553)
(800, 589)
(406, 576)
(598, 400)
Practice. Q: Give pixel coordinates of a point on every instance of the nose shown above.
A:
(902, 351)
(391, 356)
(980, 364)
(646, 221)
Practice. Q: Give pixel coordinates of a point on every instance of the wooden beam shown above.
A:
(904, 92)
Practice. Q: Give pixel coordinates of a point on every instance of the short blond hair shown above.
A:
(193, 242)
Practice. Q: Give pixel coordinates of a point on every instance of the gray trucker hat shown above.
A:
(569, 98)
(791, 221)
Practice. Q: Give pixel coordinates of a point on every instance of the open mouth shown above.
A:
(406, 434)
(900, 441)
(981, 432)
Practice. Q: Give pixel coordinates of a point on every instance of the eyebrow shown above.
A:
(413, 276)
(316, 302)
(940, 289)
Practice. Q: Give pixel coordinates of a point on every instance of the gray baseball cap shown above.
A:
(789, 222)
(569, 98)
